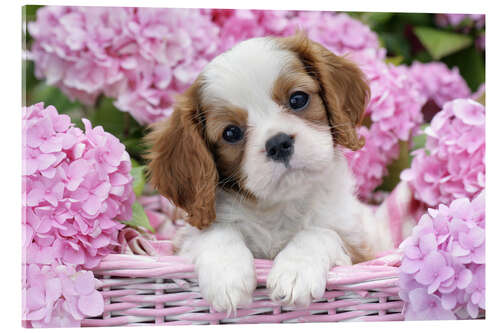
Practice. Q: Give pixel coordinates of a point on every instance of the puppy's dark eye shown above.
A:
(299, 100)
(232, 134)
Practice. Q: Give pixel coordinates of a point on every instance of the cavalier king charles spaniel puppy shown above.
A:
(253, 154)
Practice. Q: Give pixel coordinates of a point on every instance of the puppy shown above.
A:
(253, 154)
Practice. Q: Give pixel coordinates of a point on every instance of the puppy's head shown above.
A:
(263, 120)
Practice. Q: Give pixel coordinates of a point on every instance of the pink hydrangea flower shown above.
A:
(442, 270)
(434, 271)
(142, 57)
(452, 164)
(237, 25)
(59, 296)
(475, 291)
(438, 83)
(336, 31)
(425, 306)
(76, 187)
(394, 112)
(339, 33)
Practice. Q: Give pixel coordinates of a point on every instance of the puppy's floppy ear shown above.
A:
(180, 165)
(344, 90)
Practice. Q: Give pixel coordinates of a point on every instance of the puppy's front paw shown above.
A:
(227, 287)
(294, 281)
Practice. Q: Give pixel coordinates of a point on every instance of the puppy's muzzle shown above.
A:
(280, 148)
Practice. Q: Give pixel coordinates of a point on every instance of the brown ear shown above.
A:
(180, 166)
(344, 90)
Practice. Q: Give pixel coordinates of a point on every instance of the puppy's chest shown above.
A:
(266, 234)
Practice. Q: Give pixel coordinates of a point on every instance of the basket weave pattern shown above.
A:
(163, 290)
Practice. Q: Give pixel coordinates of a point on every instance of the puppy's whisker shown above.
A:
(230, 177)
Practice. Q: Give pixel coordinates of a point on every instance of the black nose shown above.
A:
(280, 147)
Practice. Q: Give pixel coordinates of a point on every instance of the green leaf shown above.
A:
(394, 169)
(397, 60)
(423, 56)
(375, 19)
(121, 125)
(51, 95)
(424, 19)
(139, 179)
(482, 99)
(109, 117)
(396, 44)
(139, 218)
(442, 43)
(419, 140)
(135, 146)
(470, 62)
(30, 11)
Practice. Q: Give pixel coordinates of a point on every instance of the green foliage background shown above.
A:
(415, 36)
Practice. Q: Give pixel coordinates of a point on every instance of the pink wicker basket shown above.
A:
(148, 285)
(141, 290)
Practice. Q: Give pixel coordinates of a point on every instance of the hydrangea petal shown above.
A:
(91, 305)
(454, 283)
(84, 283)
(450, 164)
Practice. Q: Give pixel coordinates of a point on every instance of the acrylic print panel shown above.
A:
(98, 238)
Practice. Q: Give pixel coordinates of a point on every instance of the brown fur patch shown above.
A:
(295, 78)
(180, 165)
(218, 117)
(359, 254)
(343, 88)
(228, 156)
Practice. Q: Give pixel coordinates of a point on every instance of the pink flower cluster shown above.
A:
(438, 83)
(442, 273)
(398, 94)
(59, 296)
(337, 32)
(394, 110)
(455, 20)
(76, 186)
(142, 57)
(237, 25)
(452, 165)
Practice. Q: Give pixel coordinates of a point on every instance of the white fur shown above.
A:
(306, 216)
